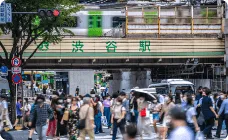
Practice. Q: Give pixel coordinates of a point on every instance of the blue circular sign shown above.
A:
(4, 69)
(16, 78)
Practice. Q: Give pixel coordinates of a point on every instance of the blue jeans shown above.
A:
(107, 114)
(135, 117)
(116, 125)
(97, 121)
(41, 131)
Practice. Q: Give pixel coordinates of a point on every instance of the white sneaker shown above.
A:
(35, 132)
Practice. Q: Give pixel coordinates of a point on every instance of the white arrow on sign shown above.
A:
(16, 70)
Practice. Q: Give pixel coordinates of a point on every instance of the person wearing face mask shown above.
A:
(178, 97)
(73, 120)
(143, 119)
(118, 118)
(155, 110)
(221, 118)
(208, 113)
(184, 100)
(19, 110)
(223, 112)
(42, 114)
(166, 121)
(125, 104)
(107, 111)
(61, 126)
(52, 122)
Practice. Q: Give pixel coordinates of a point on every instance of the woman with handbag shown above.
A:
(73, 120)
(51, 131)
(166, 121)
(118, 118)
(61, 127)
(144, 117)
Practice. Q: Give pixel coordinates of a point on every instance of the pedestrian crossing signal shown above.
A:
(48, 13)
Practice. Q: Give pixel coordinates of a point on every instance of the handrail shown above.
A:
(191, 20)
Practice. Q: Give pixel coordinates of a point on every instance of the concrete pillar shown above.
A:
(82, 78)
(128, 80)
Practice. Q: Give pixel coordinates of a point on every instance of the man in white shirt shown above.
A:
(4, 113)
(178, 120)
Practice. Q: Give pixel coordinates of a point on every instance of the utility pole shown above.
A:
(226, 43)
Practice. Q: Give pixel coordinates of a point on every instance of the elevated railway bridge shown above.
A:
(177, 42)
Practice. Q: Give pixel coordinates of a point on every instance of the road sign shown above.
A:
(2, 13)
(16, 62)
(16, 78)
(8, 12)
(4, 69)
(16, 70)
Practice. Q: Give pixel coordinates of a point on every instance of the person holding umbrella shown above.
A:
(143, 119)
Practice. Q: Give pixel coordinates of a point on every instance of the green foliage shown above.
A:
(149, 17)
(210, 13)
(30, 27)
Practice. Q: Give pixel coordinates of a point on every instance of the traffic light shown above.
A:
(48, 13)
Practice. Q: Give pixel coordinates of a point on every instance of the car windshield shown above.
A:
(162, 89)
(182, 88)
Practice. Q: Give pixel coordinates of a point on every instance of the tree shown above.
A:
(29, 28)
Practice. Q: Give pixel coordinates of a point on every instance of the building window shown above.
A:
(116, 21)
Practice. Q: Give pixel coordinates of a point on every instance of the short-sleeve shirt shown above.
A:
(118, 109)
(4, 104)
(182, 133)
(190, 113)
(18, 108)
(89, 117)
(205, 107)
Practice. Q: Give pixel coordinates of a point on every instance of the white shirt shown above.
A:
(190, 113)
(27, 107)
(118, 111)
(100, 104)
(182, 133)
(81, 102)
(161, 99)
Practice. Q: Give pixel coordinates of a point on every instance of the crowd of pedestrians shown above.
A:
(176, 116)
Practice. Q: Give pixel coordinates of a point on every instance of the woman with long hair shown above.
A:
(73, 120)
(107, 111)
(52, 122)
(191, 114)
(97, 115)
(33, 126)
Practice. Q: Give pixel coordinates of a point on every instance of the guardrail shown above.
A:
(175, 20)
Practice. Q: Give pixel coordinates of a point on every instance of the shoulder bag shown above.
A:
(82, 122)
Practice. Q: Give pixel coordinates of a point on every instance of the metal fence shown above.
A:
(175, 20)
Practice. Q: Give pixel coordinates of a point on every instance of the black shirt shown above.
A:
(206, 104)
